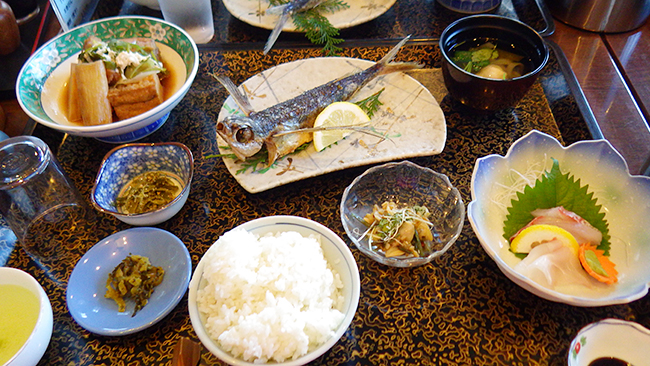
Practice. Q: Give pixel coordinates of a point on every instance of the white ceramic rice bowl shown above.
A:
(64, 48)
(625, 199)
(335, 251)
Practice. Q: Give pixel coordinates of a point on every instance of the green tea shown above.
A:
(18, 316)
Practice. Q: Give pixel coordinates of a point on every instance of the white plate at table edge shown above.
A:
(253, 13)
(408, 105)
(148, 315)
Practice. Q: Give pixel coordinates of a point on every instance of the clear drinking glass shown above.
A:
(34, 189)
(194, 16)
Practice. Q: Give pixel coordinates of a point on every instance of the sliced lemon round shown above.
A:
(337, 114)
(539, 234)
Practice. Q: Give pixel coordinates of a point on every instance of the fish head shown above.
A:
(239, 133)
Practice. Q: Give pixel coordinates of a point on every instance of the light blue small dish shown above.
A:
(87, 284)
(44, 74)
(125, 162)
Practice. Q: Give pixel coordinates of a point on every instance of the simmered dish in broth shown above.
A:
(115, 80)
(489, 60)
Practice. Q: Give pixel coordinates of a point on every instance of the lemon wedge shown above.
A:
(334, 115)
(538, 234)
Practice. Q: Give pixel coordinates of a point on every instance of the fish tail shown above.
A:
(276, 31)
(387, 67)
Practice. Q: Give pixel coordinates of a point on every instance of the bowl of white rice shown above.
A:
(278, 289)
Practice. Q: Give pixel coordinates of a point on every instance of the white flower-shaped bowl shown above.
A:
(36, 345)
(44, 74)
(610, 338)
(625, 200)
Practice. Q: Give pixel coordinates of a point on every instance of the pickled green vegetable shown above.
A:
(148, 192)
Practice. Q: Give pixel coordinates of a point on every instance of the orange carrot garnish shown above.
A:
(596, 264)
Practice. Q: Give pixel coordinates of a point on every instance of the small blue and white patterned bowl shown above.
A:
(125, 162)
(44, 75)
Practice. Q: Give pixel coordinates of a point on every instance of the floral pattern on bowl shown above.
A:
(125, 162)
(41, 65)
(624, 198)
(624, 340)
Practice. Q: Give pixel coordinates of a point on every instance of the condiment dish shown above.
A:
(335, 251)
(406, 184)
(34, 347)
(610, 338)
(87, 284)
(44, 75)
(624, 200)
(126, 162)
(483, 93)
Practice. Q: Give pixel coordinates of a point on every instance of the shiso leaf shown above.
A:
(554, 189)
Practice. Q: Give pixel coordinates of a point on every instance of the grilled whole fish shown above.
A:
(246, 135)
(287, 10)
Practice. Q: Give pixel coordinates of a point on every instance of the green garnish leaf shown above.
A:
(316, 27)
(475, 59)
(462, 57)
(371, 104)
(254, 162)
(484, 55)
(554, 189)
(594, 263)
(318, 30)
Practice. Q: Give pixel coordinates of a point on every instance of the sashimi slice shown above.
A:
(580, 228)
(554, 265)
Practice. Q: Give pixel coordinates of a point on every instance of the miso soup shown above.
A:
(490, 58)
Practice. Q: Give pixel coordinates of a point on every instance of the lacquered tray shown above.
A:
(458, 310)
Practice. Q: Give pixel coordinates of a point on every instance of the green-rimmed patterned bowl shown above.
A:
(41, 81)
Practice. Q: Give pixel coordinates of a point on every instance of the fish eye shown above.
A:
(244, 134)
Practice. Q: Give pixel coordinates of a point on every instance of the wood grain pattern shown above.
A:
(611, 100)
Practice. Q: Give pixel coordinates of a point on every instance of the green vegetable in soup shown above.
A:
(475, 59)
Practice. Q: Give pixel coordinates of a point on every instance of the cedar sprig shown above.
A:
(317, 28)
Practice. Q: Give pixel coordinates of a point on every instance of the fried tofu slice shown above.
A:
(131, 99)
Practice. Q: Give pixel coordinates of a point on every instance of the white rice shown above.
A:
(270, 298)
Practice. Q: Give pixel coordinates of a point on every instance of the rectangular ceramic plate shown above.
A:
(410, 117)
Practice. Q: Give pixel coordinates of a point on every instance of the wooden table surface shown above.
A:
(612, 72)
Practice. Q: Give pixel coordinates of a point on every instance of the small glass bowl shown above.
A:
(125, 162)
(407, 184)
